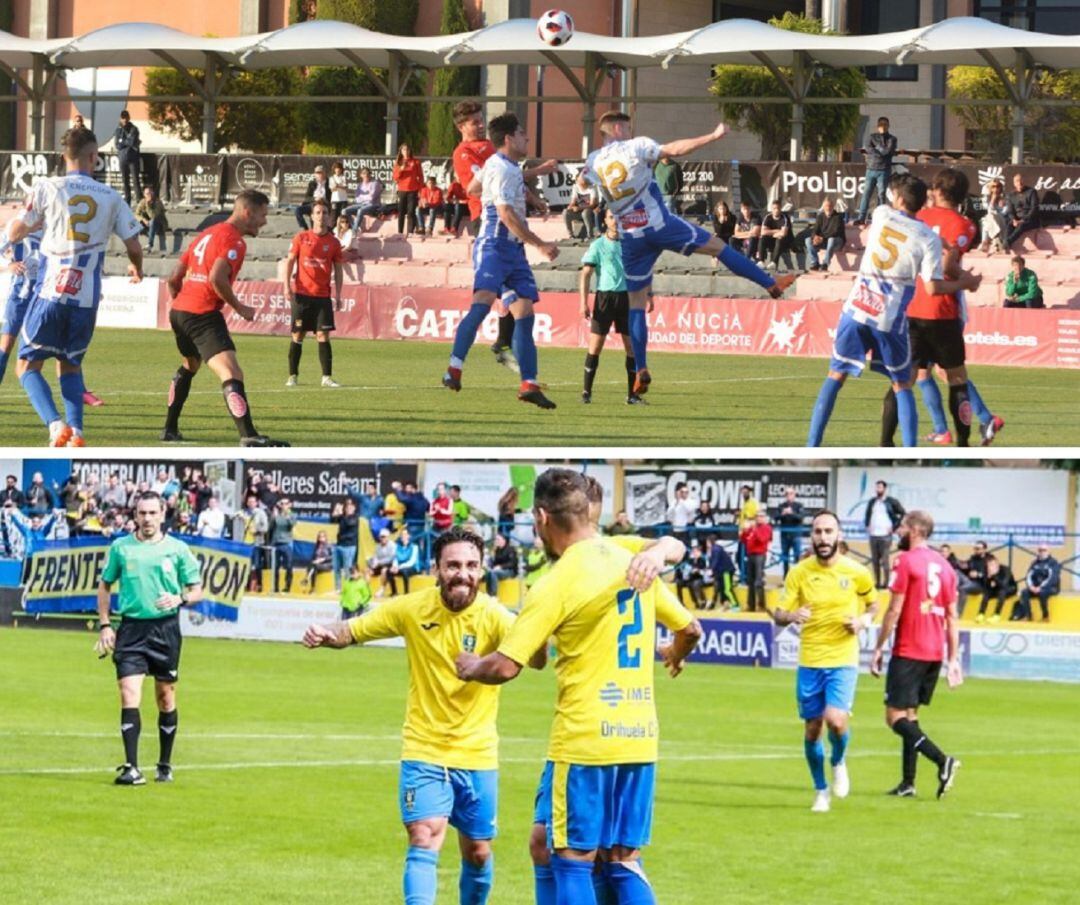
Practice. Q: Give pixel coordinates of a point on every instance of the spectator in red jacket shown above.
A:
(409, 178)
(431, 204)
(756, 538)
(441, 510)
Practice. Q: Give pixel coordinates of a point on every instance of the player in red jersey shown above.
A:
(922, 610)
(314, 255)
(937, 324)
(468, 159)
(200, 286)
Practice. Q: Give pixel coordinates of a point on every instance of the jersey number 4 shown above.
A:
(199, 251)
(629, 603)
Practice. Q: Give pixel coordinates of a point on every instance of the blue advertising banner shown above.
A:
(731, 642)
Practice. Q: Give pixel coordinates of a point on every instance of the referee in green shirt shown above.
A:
(157, 574)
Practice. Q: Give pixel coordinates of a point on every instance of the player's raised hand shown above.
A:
(875, 662)
(720, 131)
(318, 636)
(643, 571)
(549, 250)
(464, 664)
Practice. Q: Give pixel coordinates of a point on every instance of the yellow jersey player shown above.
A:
(449, 758)
(596, 791)
(831, 597)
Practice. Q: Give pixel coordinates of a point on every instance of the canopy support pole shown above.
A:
(37, 106)
(395, 80)
(209, 95)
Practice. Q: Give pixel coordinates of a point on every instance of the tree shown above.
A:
(825, 126)
(456, 81)
(260, 127)
(1050, 133)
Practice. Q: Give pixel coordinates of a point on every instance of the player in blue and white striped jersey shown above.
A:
(24, 265)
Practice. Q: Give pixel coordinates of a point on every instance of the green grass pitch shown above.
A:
(286, 787)
(392, 397)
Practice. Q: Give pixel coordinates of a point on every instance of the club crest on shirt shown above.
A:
(468, 642)
(167, 565)
(845, 583)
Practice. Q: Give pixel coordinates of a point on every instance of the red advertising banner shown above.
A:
(1045, 338)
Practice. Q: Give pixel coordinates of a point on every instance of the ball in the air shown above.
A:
(555, 27)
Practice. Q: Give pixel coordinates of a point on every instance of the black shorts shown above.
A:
(148, 647)
(610, 308)
(936, 342)
(473, 228)
(201, 336)
(910, 683)
(311, 313)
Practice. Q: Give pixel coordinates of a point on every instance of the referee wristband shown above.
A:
(103, 625)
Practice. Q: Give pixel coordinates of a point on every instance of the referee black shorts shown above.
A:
(201, 336)
(610, 308)
(310, 313)
(936, 342)
(910, 683)
(148, 647)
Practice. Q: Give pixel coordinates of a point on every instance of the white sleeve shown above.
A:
(36, 200)
(588, 171)
(647, 149)
(503, 184)
(930, 266)
(124, 223)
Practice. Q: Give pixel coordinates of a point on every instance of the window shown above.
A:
(762, 11)
(877, 16)
(1055, 17)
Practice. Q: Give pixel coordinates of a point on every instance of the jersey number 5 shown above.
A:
(889, 242)
(629, 603)
(75, 217)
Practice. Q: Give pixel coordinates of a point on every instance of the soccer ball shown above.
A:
(555, 27)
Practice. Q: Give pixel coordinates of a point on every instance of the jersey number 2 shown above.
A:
(76, 216)
(613, 176)
(629, 603)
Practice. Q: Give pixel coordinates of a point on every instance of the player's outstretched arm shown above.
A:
(219, 280)
(134, 253)
(541, 169)
(683, 146)
(336, 634)
(892, 615)
(681, 646)
(494, 669)
(647, 565)
(519, 228)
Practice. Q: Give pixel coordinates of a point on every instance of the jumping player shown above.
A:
(79, 215)
(499, 259)
(200, 285)
(623, 169)
(874, 319)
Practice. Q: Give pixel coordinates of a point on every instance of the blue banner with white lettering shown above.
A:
(731, 642)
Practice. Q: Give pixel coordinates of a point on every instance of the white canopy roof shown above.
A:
(967, 41)
(140, 44)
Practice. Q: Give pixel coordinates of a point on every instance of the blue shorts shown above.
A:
(501, 266)
(15, 311)
(52, 330)
(641, 249)
(586, 807)
(818, 687)
(470, 798)
(890, 352)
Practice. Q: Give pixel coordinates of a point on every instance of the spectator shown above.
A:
(39, 500)
(776, 238)
(507, 511)
(164, 484)
(355, 594)
(441, 510)
(826, 234)
(35, 530)
(406, 561)
(322, 559)
(681, 512)
(669, 177)
(789, 516)
(127, 142)
(416, 507)
(690, 576)
(211, 522)
(724, 221)
(621, 525)
(995, 222)
(583, 207)
(1023, 210)
(1043, 580)
(974, 574)
(343, 232)
(536, 562)
(998, 584)
(747, 235)
(114, 496)
(202, 492)
(339, 190)
(409, 178)
(150, 212)
(393, 506)
(251, 525)
(317, 187)
(748, 511)
(382, 559)
(457, 208)
(11, 493)
(431, 205)
(502, 563)
(882, 518)
(1022, 287)
(462, 510)
(756, 539)
(705, 519)
(282, 522)
(367, 202)
(964, 585)
(370, 506)
(880, 150)
(723, 576)
(345, 516)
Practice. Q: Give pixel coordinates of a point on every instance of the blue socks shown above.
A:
(602, 889)
(815, 758)
(41, 398)
(525, 347)
(628, 880)
(909, 417)
(838, 746)
(476, 882)
(465, 335)
(72, 388)
(823, 411)
(742, 266)
(639, 336)
(544, 884)
(573, 881)
(420, 876)
(984, 414)
(4, 356)
(931, 397)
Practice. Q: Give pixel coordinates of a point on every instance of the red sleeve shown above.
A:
(294, 247)
(235, 256)
(899, 581)
(335, 256)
